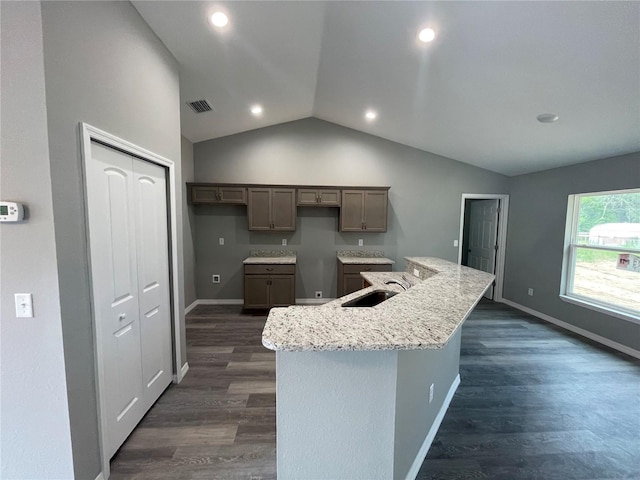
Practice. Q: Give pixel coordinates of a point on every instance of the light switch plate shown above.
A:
(360, 242)
(221, 241)
(284, 242)
(455, 243)
(24, 305)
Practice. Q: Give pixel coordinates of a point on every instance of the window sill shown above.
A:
(602, 309)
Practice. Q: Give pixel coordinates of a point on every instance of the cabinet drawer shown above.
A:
(357, 268)
(269, 269)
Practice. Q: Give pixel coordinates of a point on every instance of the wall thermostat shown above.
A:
(11, 212)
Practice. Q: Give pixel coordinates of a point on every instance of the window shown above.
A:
(602, 253)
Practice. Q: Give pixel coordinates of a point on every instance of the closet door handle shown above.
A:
(122, 316)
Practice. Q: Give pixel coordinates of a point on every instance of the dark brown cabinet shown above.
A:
(364, 211)
(268, 285)
(272, 209)
(349, 278)
(322, 197)
(217, 194)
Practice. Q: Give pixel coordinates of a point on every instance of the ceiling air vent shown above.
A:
(200, 106)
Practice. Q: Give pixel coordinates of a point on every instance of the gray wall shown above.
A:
(417, 370)
(34, 432)
(536, 228)
(103, 66)
(424, 200)
(188, 226)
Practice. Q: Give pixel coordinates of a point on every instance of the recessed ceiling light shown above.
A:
(256, 110)
(370, 115)
(427, 35)
(547, 117)
(219, 19)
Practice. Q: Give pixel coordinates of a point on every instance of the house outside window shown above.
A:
(602, 252)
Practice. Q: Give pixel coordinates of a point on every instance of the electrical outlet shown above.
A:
(416, 273)
(360, 242)
(284, 242)
(221, 241)
(216, 279)
(319, 294)
(455, 243)
(431, 393)
(530, 292)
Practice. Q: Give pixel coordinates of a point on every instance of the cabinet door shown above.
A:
(283, 209)
(307, 197)
(282, 290)
(329, 198)
(375, 211)
(351, 213)
(204, 195)
(256, 291)
(259, 210)
(233, 195)
(352, 282)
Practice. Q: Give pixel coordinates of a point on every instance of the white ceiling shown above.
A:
(473, 94)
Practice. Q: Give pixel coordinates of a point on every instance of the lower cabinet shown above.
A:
(349, 278)
(268, 285)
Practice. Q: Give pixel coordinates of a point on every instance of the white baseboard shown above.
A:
(239, 301)
(191, 307)
(572, 328)
(100, 476)
(183, 372)
(313, 301)
(424, 449)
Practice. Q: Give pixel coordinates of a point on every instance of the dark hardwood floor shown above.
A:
(535, 402)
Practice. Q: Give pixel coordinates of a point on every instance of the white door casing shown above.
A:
(501, 240)
(483, 232)
(127, 216)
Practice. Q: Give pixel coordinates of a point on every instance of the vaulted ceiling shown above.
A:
(472, 94)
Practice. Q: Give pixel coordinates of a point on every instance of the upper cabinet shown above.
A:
(314, 197)
(272, 209)
(364, 211)
(217, 194)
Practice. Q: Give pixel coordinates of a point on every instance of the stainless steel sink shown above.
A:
(371, 299)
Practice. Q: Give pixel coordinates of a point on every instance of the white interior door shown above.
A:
(483, 231)
(126, 201)
(153, 277)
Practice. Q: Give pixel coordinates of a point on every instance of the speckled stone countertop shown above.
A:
(425, 316)
(365, 257)
(270, 257)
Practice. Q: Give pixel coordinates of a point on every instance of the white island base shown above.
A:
(361, 414)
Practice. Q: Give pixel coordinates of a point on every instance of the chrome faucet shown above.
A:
(397, 282)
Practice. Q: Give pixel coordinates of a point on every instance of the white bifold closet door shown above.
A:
(127, 212)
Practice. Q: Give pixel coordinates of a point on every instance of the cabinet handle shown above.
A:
(367, 269)
(365, 225)
(269, 269)
(318, 197)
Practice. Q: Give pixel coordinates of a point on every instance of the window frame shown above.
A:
(571, 248)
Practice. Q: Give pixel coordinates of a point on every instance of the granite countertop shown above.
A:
(262, 257)
(364, 257)
(425, 316)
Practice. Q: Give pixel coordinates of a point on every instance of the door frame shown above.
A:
(501, 238)
(88, 134)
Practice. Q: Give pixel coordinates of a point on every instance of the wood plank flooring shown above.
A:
(220, 422)
(535, 402)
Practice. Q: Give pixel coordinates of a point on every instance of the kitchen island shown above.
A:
(361, 391)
